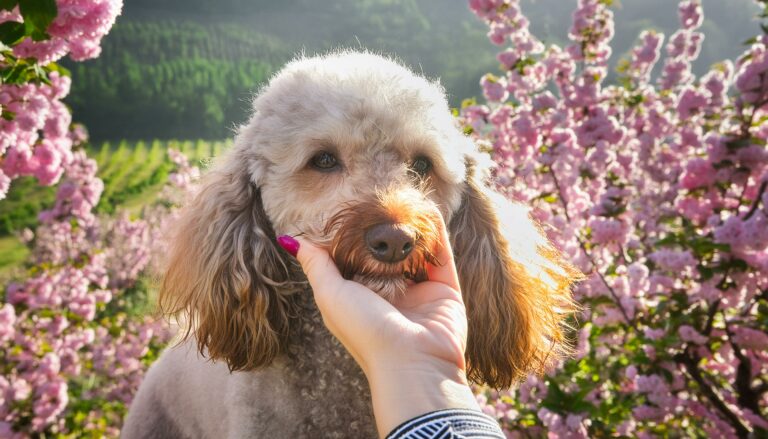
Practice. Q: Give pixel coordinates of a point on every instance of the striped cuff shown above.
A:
(449, 424)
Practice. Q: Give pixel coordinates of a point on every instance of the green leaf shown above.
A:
(522, 63)
(38, 35)
(14, 75)
(63, 71)
(468, 102)
(548, 197)
(750, 41)
(706, 273)
(634, 101)
(38, 14)
(722, 164)
(11, 32)
(739, 264)
(668, 240)
(740, 142)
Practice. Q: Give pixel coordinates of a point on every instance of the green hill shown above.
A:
(172, 79)
(188, 69)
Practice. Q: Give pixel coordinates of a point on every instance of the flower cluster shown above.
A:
(37, 140)
(74, 342)
(683, 46)
(591, 32)
(66, 331)
(657, 190)
(36, 136)
(76, 31)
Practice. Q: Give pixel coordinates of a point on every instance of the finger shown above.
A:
(324, 277)
(445, 272)
(344, 304)
(317, 264)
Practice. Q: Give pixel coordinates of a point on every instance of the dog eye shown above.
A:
(421, 165)
(324, 161)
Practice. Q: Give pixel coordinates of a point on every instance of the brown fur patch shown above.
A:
(406, 208)
(224, 275)
(516, 288)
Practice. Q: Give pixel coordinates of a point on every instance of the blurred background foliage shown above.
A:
(188, 68)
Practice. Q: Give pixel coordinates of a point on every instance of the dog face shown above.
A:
(359, 155)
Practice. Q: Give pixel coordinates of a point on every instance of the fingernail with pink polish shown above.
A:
(289, 244)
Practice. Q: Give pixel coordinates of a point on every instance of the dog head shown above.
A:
(356, 153)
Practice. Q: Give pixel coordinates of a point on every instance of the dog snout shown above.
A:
(389, 242)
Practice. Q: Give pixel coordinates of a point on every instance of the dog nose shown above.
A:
(388, 242)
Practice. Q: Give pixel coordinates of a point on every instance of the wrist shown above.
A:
(403, 391)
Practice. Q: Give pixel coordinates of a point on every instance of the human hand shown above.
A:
(412, 350)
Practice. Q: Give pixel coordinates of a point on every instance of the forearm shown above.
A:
(403, 392)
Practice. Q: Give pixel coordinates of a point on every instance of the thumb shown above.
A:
(445, 271)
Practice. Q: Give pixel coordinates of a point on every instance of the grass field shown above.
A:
(133, 174)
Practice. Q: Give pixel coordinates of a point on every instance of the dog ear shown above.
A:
(223, 270)
(515, 286)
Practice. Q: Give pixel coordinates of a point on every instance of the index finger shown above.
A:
(318, 265)
(445, 271)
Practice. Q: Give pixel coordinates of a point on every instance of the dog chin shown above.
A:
(387, 287)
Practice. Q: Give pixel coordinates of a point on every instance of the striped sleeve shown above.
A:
(449, 424)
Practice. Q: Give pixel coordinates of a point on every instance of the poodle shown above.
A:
(358, 154)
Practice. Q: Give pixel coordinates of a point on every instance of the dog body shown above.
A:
(314, 390)
(361, 156)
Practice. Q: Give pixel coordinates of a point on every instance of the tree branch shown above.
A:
(711, 317)
(756, 203)
(746, 395)
(583, 247)
(691, 364)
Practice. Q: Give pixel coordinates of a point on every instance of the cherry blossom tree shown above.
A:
(655, 186)
(73, 348)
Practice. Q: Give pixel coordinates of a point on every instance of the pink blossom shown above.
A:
(731, 232)
(7, 320)
(475, 116)
(50, 400)
(494, 88)
(78, 29)
(691, 15)
(654, 334)
(696, 209)
(605, 230)
(749, 338)
(648, 53)
(751, 79)
(691, 101)
(591, 31)
(673, 260)
(689, 334)
(645, 55)
(698, 173)
(484, 8)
